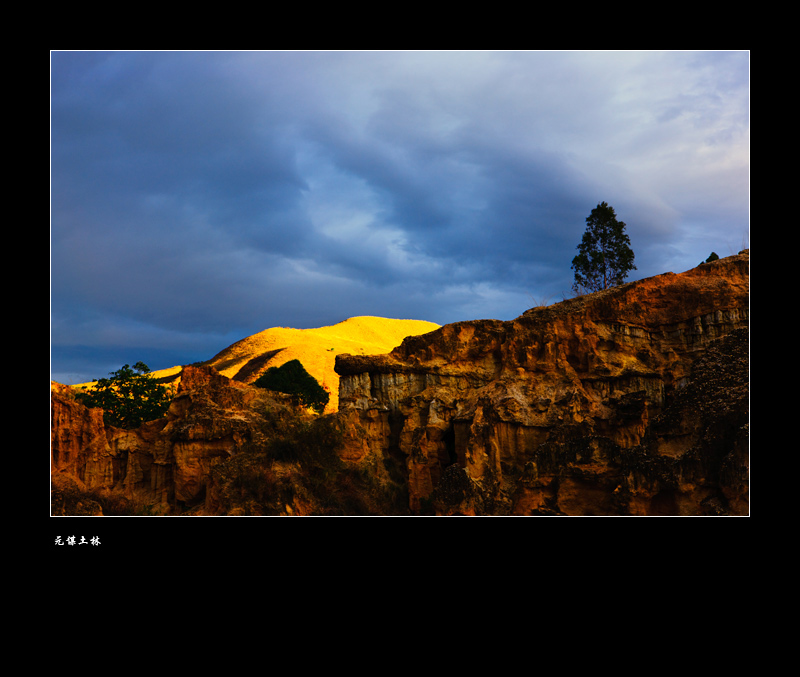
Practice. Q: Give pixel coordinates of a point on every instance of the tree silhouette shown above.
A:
(604, 255)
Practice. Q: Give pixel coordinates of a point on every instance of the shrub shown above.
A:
(712, 257)
(292, 378)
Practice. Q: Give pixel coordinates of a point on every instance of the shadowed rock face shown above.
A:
(629, 401)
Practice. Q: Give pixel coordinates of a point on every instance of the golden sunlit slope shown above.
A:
(316, 349)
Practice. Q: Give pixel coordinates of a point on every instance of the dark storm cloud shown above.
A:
(198, 197)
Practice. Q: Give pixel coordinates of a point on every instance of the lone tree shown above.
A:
(129, 398)
(604, 255)
(292, 378)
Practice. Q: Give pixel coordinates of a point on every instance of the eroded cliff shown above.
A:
(224, 448)
(630, 401)
(164, 466)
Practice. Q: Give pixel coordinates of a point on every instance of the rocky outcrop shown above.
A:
(629, 401)
(224, 448)
(164, 466)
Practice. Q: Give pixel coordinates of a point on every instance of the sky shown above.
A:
(197, 198)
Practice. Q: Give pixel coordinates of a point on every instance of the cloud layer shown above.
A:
(199, 197)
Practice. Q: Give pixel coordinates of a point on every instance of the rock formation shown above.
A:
(165, 465)
(224, 448)
(629, 401)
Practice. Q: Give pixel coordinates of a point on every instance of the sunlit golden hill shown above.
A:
(316, 349)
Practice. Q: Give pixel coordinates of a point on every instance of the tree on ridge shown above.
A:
(604, 256)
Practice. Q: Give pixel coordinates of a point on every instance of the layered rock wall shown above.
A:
(165, 465)
(631, 401)
(556, 412)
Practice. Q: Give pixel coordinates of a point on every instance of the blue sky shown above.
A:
(200, 197)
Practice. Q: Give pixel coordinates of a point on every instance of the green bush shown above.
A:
(292, 378)
(712, 257)
(129, 398)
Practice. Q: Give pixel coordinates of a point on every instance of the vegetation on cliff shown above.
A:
(129, 398)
